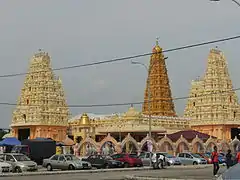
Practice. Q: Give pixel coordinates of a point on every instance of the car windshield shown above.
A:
(207, 155)
(71, 158)
(21, 158)
(133, 155)
(169, 156)
(196, 155)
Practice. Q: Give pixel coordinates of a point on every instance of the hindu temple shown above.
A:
(41, 109)
(213, 104)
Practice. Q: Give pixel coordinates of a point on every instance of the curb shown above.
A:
(148, 178)
(96, 171)
(73, 172)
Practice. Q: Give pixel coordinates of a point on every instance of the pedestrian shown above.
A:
(215, 161)
(238, 155)
(229, 159)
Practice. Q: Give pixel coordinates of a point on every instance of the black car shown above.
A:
(100, 161)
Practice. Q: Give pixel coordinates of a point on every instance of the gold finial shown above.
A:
(157, 39)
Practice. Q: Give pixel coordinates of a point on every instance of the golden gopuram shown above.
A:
(213, 104)
(41, 109)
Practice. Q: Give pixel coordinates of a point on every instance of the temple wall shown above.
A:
(130, 145)
(57, 133)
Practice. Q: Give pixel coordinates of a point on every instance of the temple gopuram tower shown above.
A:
(41, 109)
(213, 104)
(161, 103)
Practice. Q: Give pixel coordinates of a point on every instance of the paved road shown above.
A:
(180, 173)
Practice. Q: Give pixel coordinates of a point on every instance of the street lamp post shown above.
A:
(149, 99)
(235, 1)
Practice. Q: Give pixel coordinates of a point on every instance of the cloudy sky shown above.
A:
(77, 32)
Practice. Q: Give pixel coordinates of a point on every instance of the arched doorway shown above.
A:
(166, 147)
(148, 146)
(198, 148)
(88, 149)
(108, 148)
(224, 147)
(182, 147)
(129, 147)
(210, 147)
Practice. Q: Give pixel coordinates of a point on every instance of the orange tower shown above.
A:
(161, 103)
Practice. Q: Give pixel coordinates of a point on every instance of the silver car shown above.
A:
(191, 159)
(65, 162)
(19, 162)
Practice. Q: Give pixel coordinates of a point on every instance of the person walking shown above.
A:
(215, 161)
(229, 159)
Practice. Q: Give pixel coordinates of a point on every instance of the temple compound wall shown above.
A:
(109, 145)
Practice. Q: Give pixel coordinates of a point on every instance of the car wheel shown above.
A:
(195, 163)
(126, 165)
(106, 166)
(49, 167)
(18, 170)
(71, 167)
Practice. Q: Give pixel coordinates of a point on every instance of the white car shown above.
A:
(5, 167)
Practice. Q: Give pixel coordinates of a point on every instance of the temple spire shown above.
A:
(160, 92)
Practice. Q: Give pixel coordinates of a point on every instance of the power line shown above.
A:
(130, 57)
(128, 103)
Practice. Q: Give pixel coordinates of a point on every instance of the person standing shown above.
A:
(215, 161)
(238, 156)
(229, 159)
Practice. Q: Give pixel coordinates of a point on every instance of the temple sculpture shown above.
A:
(213, 104)
(41, 109)
(161, 103)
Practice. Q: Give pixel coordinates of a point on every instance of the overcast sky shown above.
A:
(77, 32)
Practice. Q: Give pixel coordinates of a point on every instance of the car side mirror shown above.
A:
(12, 160)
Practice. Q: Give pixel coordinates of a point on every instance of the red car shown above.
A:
(130, 160)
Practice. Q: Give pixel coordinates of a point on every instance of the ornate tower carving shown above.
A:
(42, 101)
(161, 103)
(212, 98)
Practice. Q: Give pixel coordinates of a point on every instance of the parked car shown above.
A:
(191, 159)
(100, 161)
(5, 167)
(19, 162)
(129, 160)
(145, 157)
(206, 156)
(65, 162)
(172, 160)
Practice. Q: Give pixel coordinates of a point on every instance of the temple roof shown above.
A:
(189, 135)
(132, 112)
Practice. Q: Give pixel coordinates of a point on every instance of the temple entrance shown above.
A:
(166, 147)
(235, 132)
(88, 149)
(148, 146)
(198, 148)
(23, 134)
(129, 147)
(210, 147)
(182, 147)
(108, 148)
